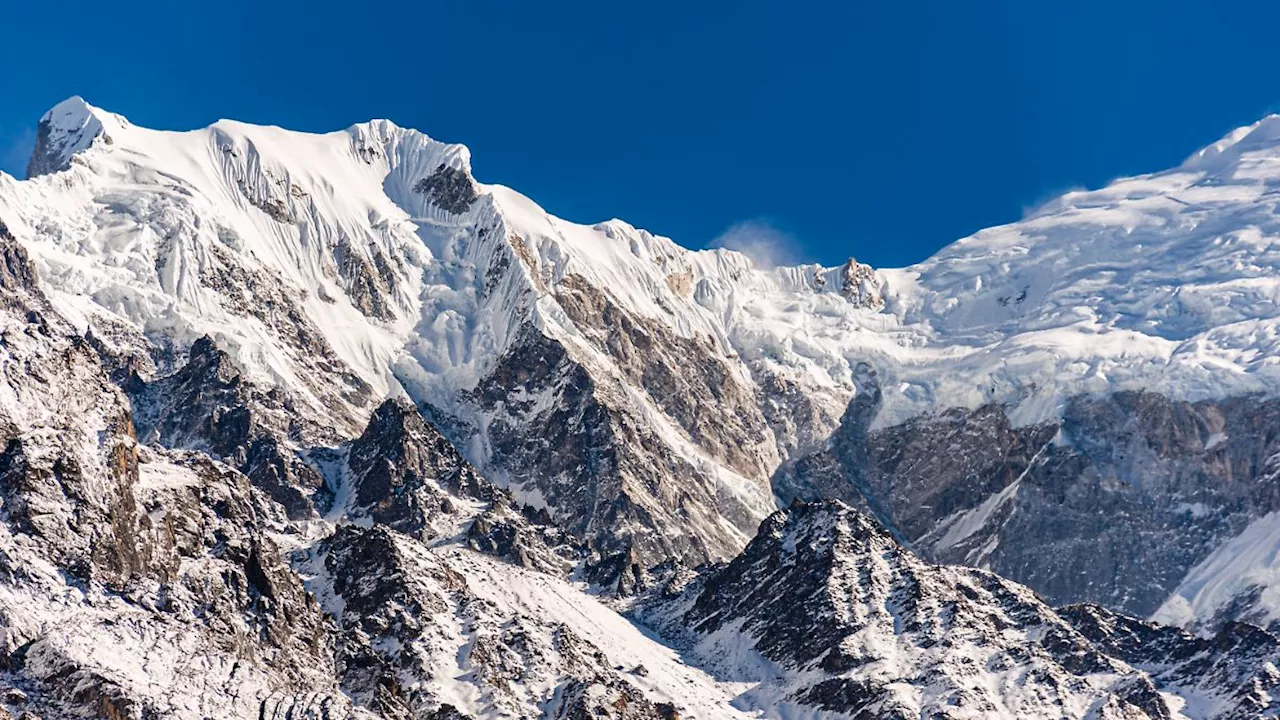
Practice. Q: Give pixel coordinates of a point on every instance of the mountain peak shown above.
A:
(68, 128)
(1261, 135)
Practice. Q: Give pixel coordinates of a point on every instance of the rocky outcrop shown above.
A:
(844, 620)
(1113, 504)
(1231, 675)
(688, 378)
(214, 598)
(405, 474)
(448, 188)
(208, 405)
(18, 282)
(406, 614)
(368, 278)
(557, 434)
(859, 284)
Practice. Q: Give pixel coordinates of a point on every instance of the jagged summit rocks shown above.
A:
(69, 127)
(403, 473)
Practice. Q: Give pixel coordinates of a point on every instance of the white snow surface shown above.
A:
(1246, 564)
(1164, 281)
(548, 601)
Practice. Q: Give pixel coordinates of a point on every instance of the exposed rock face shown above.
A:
(687, 378)
(370, 282)
(63, 131)
(448, 188)
(208, 405)
(1114, 504)
(849, 622)
(604, 474)
(1233, 673)
(17, 274)
(209, 598)
(406, 610)
(384, 609)
(405, 474)
(858, 282)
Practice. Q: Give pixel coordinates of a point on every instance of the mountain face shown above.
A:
(826, 612)
(1113, 503)
(320, 426)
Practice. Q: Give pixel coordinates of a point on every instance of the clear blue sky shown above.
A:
(881, 130)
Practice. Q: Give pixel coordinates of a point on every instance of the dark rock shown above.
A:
(404, 472)
(1236, 665)
(823, 591)
(1100, 508)
(207, 405)
(368, 279)
(449, 189)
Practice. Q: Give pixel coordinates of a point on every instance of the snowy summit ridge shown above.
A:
(66, 129)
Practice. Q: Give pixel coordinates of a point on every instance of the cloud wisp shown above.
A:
(760, 240)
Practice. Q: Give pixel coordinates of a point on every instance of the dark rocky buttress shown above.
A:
(1113, 504)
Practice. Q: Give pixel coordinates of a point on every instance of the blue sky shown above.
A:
(823, 130)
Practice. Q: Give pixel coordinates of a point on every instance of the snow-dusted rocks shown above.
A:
(824, 612)
(1113, 503)
(208, 405)
(402, 473)
(132, 583)
(416, 638)
(1229, 675)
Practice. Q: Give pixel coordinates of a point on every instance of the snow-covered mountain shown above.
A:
(325, 427)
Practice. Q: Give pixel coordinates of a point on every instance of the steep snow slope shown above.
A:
(1164, 282)
(1239, 581)
(1161, 281)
